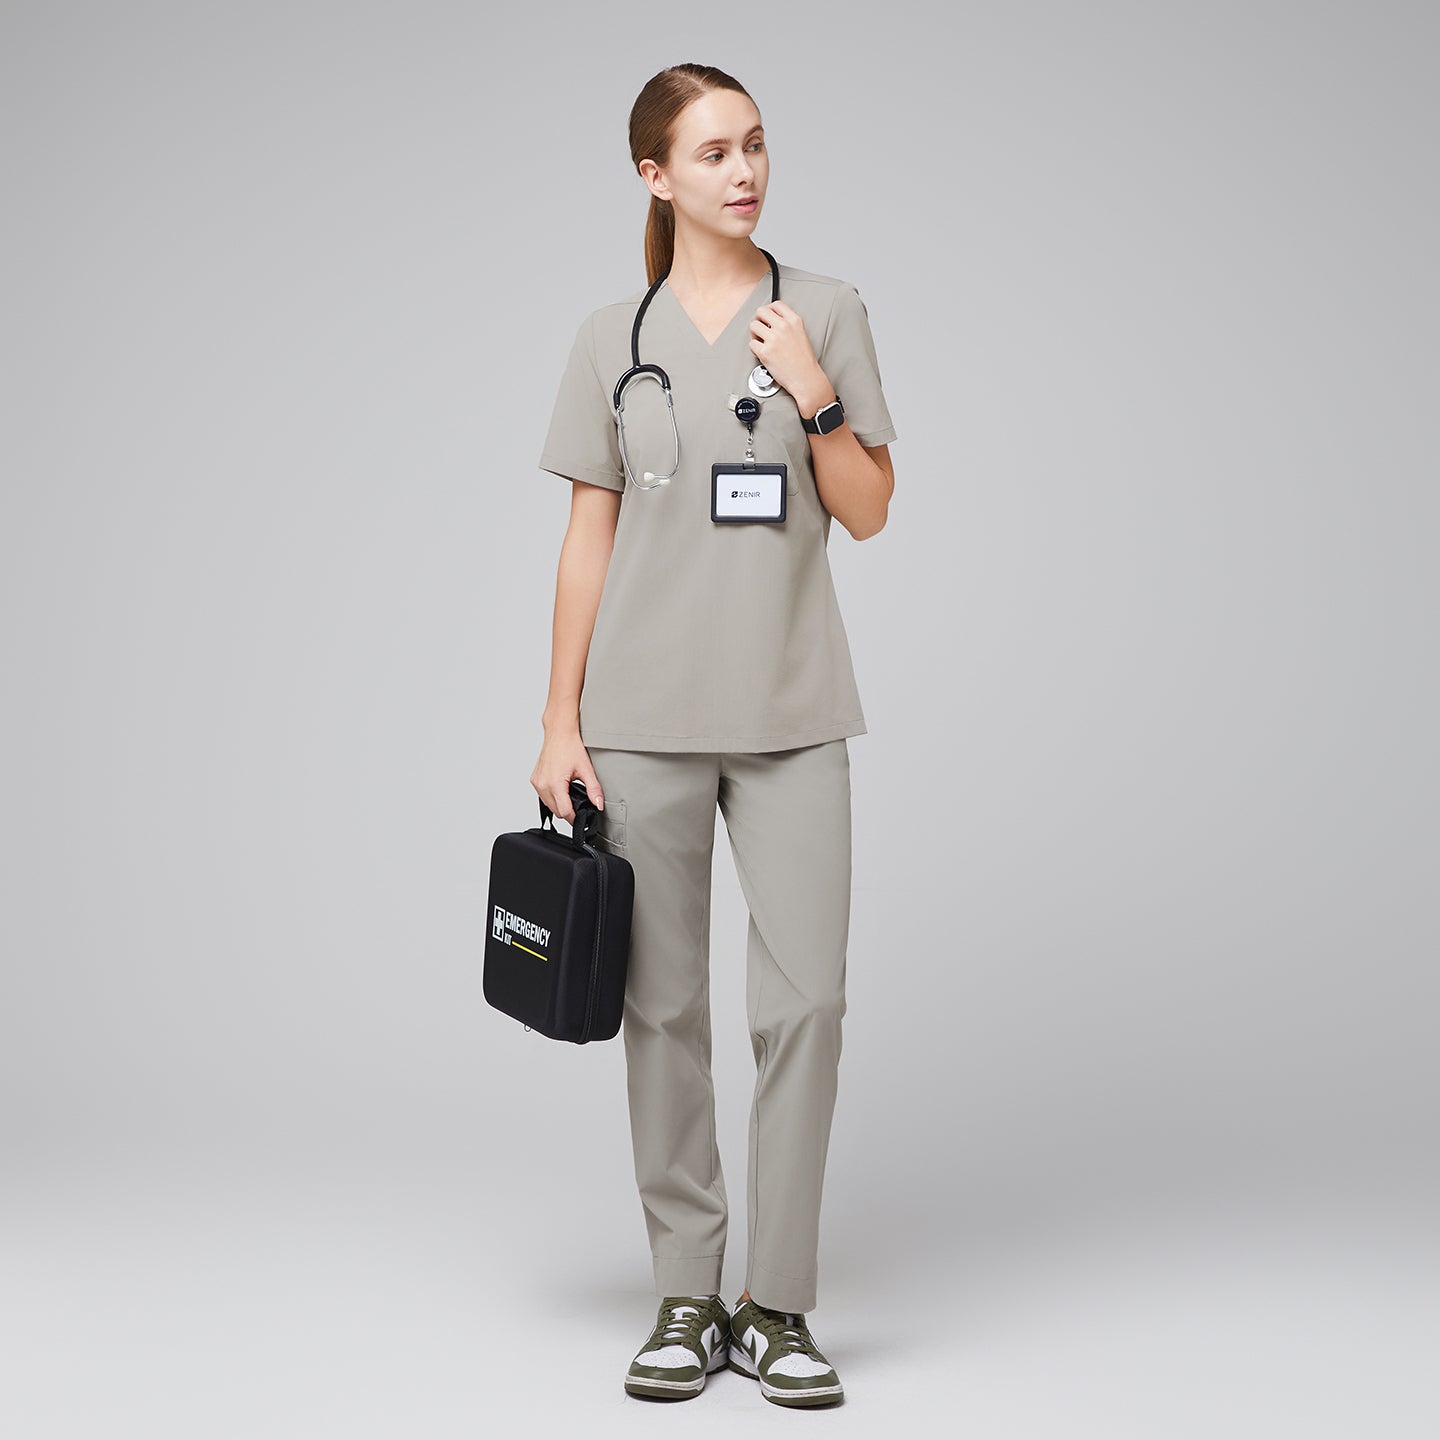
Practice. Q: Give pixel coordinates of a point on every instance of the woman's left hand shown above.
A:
(778, 340)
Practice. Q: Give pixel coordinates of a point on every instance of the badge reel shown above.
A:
(749, 492)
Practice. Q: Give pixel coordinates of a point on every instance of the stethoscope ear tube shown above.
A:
(664, 382)
(630, 374)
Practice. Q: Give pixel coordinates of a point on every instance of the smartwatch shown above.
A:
(827, 418)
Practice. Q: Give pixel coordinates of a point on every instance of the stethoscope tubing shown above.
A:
(637, 370)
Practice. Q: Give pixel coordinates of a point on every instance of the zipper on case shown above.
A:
(599, 935)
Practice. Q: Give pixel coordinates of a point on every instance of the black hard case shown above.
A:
(569, 985)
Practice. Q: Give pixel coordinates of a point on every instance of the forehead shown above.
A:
(714, 114)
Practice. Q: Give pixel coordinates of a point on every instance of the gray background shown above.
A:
(1137, 1119)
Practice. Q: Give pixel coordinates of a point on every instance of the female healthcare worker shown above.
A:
(700, 659)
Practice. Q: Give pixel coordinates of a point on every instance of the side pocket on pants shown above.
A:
(611, 830)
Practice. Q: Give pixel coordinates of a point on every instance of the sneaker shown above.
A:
(689, 1341)
(777, 1349)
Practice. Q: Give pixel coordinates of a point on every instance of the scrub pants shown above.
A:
(788, 817)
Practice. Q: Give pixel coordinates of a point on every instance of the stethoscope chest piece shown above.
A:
(761, 383)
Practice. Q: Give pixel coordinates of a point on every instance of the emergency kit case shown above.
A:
(558, 944)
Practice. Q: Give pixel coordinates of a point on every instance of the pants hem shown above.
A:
(792, 1293)
(687, 1274)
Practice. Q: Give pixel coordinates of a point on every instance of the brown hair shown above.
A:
(651, 118)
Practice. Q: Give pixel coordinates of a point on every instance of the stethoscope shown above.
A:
(747, 410)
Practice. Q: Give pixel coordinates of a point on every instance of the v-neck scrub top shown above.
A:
(709, 636)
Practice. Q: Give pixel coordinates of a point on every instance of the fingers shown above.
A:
(592, 787)
(557, 796)
(776, 322)
(776, 310)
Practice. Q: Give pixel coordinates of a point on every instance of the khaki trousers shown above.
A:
(788, 817)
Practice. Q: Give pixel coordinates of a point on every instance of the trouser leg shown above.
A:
(788, 817)
(661, 818)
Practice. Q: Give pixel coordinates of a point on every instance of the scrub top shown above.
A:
(713, 636)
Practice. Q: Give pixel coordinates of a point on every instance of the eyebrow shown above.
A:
(725, 139)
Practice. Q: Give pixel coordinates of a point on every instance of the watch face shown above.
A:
(830, 418)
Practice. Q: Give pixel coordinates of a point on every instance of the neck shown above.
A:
(707, 264)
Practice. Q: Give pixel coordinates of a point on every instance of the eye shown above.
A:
(758, 145)
(713, 155)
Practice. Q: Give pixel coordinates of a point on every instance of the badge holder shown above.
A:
(745, 492)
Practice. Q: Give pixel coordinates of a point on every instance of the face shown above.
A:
(717, 156)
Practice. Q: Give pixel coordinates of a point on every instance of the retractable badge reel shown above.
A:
(748, 492)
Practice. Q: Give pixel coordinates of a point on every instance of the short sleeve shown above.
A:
(581, 443)
(847, 357)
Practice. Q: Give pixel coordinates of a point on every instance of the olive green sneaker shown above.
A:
(689, 1341)
(777, 1349)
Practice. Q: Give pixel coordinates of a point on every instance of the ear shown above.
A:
(654, 178)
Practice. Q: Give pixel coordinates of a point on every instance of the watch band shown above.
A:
(826, 418)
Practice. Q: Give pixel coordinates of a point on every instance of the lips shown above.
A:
(748, 203)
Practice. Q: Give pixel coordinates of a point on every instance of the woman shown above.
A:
(700, 659)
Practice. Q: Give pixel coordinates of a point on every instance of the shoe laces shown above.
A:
(675, 1327)
(785, 1329)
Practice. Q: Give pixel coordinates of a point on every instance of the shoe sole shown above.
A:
(743, 1365)
(677, 1389)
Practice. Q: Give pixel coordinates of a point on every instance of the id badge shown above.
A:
(745, 494)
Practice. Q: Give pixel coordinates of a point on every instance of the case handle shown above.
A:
(587, 816)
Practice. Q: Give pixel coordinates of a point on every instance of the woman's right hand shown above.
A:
(564, 758)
